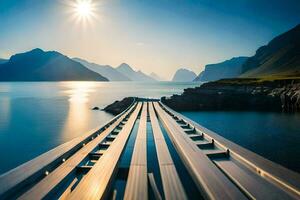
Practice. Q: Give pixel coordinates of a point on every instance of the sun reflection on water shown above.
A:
(78, 92)
(79, 110)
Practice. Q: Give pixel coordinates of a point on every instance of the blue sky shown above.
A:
(151, 35)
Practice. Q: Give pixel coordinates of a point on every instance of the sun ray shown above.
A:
(82, 11)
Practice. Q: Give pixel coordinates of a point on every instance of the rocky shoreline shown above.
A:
(119, 106)
(230, 95)
(239, 95)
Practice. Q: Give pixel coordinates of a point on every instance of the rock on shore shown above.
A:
(240, 94)
(119, 106)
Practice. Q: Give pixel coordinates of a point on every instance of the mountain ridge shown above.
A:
(126, 70)
(227, 69)
(280, 57)
(39, 65)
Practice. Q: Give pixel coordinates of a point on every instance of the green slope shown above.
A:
(280, 58)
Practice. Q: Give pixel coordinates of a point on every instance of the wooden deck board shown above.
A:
(282, 177)
(42, 188)
(253, 184)
(137, 182)
(172, 186)
(210, 180)
(96, 183)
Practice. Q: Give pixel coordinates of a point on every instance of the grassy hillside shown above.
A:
(279, 59)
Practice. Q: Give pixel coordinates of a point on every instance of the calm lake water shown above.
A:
(36, 117)
(275, 136)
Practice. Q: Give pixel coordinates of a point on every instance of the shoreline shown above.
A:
(239, 95)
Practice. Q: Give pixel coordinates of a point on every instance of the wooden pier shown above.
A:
(88, 167)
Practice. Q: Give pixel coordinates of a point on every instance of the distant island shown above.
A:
(268, 81)
(184, 75)
(39, 65)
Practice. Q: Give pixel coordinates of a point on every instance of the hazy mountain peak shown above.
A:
(41, 51)
(125, 66)
(125, 69)
(37, 50)
(184, 75)
(106, 70)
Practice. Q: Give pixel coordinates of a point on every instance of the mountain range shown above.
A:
(106, 70)
(280, 58)
(121, 73)
(38, 65)
(184, 75)
(228, 69)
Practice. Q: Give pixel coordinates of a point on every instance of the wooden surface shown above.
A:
(285, 179)
(255, 186)
(210, 180)
(220, 168)
(172, 186)
(35, 168)
(96, 183)
(41, 189)
(137, 182)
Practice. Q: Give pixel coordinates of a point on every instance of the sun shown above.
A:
(84, 8)
(82, 11)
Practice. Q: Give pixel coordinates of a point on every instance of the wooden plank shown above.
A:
(137, 182)
(252, 184)
(32, 170)
(97, 182)
(284, 178)
(172, 186)
(47, 184)
(210, 180)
